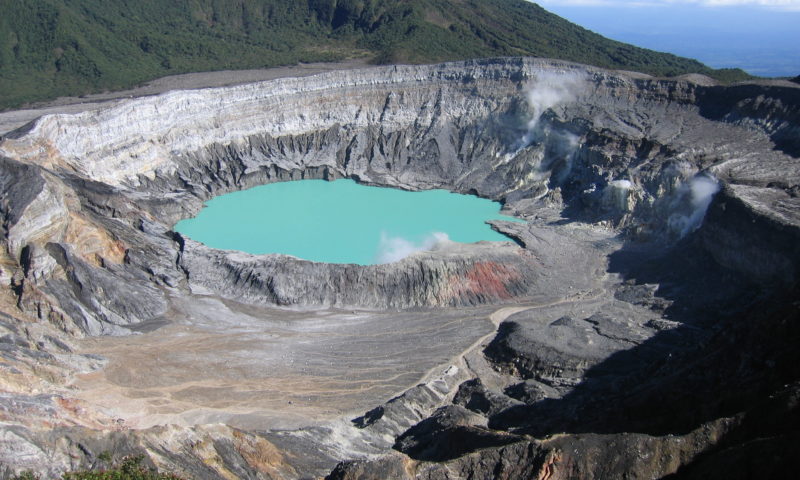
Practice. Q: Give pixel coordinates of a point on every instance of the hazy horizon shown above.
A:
(761, 37)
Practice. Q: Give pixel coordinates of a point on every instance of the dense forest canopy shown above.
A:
(50, 48)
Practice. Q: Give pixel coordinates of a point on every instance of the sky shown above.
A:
(759, 36)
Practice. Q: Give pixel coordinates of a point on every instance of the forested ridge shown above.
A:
(50, 48)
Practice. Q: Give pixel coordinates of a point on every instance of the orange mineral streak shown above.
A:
(548, 470)
(74, 412)
(94, 244)
(38, 151)
(262, 455)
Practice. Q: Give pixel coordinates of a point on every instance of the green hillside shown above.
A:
(50, 48)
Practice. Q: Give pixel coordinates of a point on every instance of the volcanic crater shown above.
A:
(643, 322)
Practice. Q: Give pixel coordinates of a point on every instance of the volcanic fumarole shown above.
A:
(643, 322)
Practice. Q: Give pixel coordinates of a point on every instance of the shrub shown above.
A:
(130, 468)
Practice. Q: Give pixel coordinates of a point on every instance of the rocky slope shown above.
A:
(661, 243)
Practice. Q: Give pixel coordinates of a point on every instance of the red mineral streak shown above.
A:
(484, 279)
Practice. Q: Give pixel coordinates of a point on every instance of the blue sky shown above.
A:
(760, 36)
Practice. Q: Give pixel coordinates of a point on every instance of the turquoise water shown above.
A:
(340, 221)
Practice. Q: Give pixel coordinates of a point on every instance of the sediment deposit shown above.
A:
(643, 322)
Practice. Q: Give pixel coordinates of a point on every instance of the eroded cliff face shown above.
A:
(677, 169)
(607, 146)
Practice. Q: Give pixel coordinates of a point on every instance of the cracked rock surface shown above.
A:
(641, 322)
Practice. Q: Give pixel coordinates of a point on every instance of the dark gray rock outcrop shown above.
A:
(646, 355)
(607, 147)
(474, 396)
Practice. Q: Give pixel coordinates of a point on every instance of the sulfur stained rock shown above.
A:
(646, 305)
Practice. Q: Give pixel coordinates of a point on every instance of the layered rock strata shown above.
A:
(699, 182)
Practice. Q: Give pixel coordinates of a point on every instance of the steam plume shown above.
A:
(693, 200)
(391, 249)
(550, 89)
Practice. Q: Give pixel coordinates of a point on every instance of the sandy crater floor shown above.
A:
(266, 368)
(213, 360)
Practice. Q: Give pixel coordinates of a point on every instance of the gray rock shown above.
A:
(449, 433)
(529, 391)
(89, 200)
(474, 396)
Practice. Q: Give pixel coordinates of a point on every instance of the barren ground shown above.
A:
(266, 368)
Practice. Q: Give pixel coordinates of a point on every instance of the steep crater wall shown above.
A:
(706, 175)
(614, 148)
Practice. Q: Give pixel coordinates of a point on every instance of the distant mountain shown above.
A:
(50, 48)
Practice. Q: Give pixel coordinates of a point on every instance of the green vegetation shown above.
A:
(25, 476)
(129, 469)
(72, 47)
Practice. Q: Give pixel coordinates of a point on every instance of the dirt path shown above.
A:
(471, 361)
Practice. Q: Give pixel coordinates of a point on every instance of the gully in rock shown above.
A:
(643, 322)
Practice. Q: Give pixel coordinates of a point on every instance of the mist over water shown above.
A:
(341, 221)
(392, 249)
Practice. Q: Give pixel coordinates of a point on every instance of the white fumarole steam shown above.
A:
(617, 194)
(392, 249)
(550, 89)
(694, 197)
